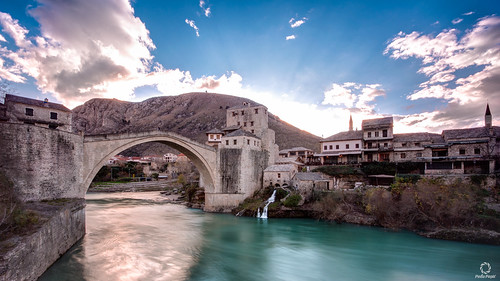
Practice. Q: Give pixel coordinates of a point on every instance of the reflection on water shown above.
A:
(133, 236)
(139, 236)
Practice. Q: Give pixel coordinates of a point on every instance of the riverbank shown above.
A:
(140, 186)
(451, 212)
(54, 226)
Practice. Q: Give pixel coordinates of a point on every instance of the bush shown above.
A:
(280, 194)
(293, 200)
(339, 170)
(379, 168)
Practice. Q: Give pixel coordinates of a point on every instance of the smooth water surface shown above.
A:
(140, 236)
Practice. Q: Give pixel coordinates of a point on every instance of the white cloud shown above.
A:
(296, 23)
(457, 21)
(463, 72)
(193, 25)
(206, 10)
(352, 94)
(468, 13)
(290, 37)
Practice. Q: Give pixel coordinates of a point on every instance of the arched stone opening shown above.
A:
(98, 150)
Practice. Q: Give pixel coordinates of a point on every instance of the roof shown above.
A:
(231, 128)
(215, 131)
(386, 121)
(348, 135)
(471, 133)
(280, 168)
(418, 137)
(283, 151)
(309, 176)
(33, 102)
(241, 133)
(288, 160)
(487, 110)
(246, 105)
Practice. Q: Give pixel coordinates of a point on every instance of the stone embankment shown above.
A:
(26, 257)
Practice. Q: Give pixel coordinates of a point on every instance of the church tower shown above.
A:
(350, 122)
(487, 117)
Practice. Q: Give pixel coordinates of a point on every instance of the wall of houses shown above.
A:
(16, 112)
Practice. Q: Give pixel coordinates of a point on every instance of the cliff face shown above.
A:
(190, 115)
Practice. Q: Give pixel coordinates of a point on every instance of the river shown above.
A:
(140, 236)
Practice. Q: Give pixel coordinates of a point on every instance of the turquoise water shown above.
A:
(140, 236)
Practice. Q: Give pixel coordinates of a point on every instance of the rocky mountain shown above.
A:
(190, 115)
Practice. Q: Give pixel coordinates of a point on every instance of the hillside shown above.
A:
(190, 115)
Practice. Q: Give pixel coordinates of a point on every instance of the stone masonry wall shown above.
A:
(33, 254)
(42, 163)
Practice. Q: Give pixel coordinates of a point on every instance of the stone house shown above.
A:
(16, 109)
(214, 137)
(301, 154)
(342, 148)
(377, 139)
(279, 175)
(415, 147)
(309, 182)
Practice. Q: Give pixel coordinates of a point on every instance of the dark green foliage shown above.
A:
(338, 170)
(190, 192)
(379, 168)
(292, 200)
(478, 179)
(155, 176)
(280, 194)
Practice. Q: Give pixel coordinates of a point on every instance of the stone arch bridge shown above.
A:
(97, 149)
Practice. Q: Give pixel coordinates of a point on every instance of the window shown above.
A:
(235, 113)
(53, 115)
(346, 146)
(477, 151)
(52, 126)
(248, 142)
(357, 145)
(251, 123)
(235, 142)
(325, 147)
(369, 134)
(403, 155)
(376, 134)
(279, 175)
(244, 124)
(256, 111)
(337, 146)
(417, 144)
(384, 133)
(227, 142)
(242, 112)
(369, 145)
(385, 144)
(461, 151)
(419, 154)
(239, 123)
(253, 131)
(331, 147)
(403, 144)
(29, 111)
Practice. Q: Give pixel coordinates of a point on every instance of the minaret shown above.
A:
(487, 117)
(350, 122)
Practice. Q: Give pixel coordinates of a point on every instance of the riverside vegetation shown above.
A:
(430, 207)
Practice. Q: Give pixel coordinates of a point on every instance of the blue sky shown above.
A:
(433, 65)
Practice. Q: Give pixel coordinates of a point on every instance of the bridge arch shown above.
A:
(99, 148)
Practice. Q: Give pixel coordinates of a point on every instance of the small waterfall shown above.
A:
(269, 201)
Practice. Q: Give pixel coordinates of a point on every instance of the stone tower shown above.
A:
(487, 117)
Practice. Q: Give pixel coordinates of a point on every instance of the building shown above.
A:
(341, 148)
(279, 175)
(170, 157)
(309, 182)
(415, 147)
(377, 139)
(214, 137)
(16, 109)
(299, 153)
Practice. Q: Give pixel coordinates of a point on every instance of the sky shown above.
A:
(432, 65)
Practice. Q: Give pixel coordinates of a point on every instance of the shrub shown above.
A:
(280, 194)
(293, 200)
(339, 170)
(379, 168)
